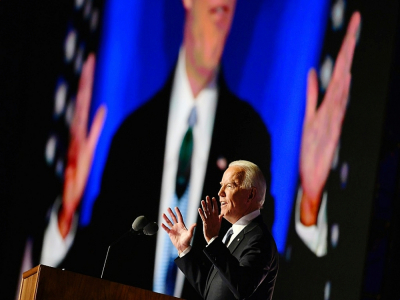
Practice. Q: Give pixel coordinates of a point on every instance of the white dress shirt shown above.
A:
(55, 247)
(316, 236)
(181, 104)
(242, 223)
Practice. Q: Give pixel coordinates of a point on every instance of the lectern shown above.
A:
(45, 283)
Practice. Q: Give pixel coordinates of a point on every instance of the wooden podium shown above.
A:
(45, 283)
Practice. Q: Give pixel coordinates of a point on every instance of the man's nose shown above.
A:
(221, 192)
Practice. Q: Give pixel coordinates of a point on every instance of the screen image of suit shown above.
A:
(132, 178)
(235, 272)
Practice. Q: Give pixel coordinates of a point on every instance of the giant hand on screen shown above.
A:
(81, 148)
(322, 126)
(178, 233)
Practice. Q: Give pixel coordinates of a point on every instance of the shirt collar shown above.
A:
(244, 221)
(182, 84)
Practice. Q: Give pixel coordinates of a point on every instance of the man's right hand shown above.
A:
(178, 233)
(81, 147)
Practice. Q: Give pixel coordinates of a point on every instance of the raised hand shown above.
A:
(322, 127)
(81, 147)
(210, 217)
(178, 233)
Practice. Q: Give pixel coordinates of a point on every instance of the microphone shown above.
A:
(150, 228)
(141, 224)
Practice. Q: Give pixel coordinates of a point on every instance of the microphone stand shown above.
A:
(112, 244)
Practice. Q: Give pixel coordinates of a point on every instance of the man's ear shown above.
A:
(252, 194)
(187, 4)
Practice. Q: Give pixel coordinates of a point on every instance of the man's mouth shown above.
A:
(223, 203)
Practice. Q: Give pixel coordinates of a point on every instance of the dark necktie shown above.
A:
(185, 157)
(228, 236)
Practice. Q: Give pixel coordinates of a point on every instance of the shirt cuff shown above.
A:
(54, 247)
(186, 251)
(316, 236)
(212, 240)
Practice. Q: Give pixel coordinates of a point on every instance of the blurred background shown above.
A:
(271, 47)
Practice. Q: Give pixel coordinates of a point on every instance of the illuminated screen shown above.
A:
(151, 63)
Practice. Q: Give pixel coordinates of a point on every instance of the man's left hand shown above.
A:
(322, 126)
(210, 217)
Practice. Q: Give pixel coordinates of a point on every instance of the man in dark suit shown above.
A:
(245, 263)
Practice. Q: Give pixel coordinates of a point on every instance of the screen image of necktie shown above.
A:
(181, 186)
(185, 157)
(227, 237)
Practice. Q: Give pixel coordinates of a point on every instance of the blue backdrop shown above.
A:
(271, 47)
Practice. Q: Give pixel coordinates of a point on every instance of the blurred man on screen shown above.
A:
(144, 159)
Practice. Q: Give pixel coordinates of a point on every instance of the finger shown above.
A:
(191, 229)
(334, 95)
(96, 128)
(215, 206)
(173, 217)
(345, 57)
(202, 216)
(203, 205)
(84, 95)
(220, 217)
(354, 24)
(167, 220)
(341, 107)
(180, 218)
(341, 61)
(312, 94)
(209, 206)
(346, 90)
(167, 230)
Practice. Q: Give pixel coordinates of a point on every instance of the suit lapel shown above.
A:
(232, 247)
(241, 236)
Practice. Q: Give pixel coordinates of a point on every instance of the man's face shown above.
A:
(234, 200)
(209, 22)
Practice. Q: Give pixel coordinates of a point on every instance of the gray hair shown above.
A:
(253, 177)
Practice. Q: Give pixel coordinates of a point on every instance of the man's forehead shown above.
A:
(233, 173)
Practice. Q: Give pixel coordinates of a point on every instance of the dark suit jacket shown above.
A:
(327, 274)
(247, 269)
(131, 184)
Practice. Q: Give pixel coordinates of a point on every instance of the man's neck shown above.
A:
(198, 79)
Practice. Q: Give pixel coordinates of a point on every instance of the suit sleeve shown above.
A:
(242, 275)
(196, 269)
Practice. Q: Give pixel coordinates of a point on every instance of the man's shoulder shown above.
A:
(236, 110)
(232, 101)
(150, 116)
(151, 109)
(259, 230)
